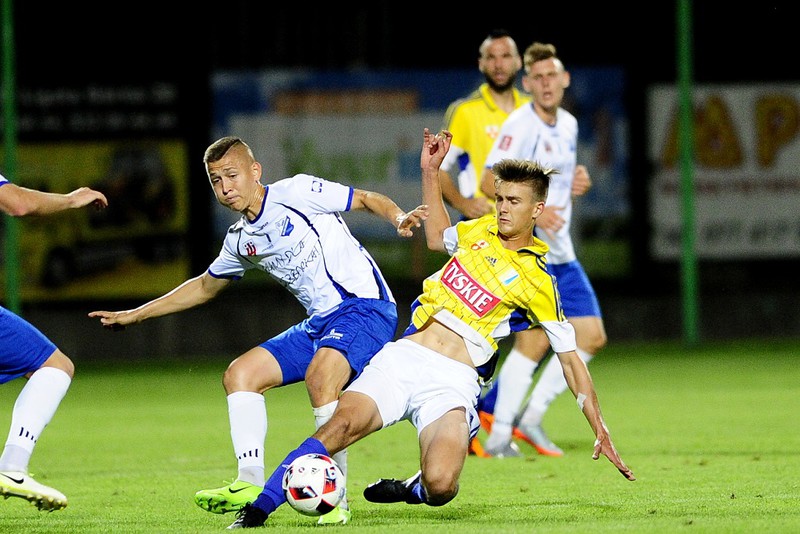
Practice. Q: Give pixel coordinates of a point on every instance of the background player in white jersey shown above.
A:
(27, 352)
(475, 120)
(291, 229)
(494, 277)
(547, 133)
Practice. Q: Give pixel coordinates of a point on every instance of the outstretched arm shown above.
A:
(189, 294)
(21, 202)
(434, 148)
(385, 207)
(580, 383)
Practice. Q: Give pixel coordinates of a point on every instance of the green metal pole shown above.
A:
(10, 165)
(689, 278)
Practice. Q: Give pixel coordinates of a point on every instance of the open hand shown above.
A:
(412, 219)
(606, 447)
(114, 320)
(434, 148)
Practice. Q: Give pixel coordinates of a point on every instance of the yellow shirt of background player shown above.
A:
(475, 122)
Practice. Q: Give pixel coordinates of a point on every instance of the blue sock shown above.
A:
(272, 495)
(486, 403)
(418, 493)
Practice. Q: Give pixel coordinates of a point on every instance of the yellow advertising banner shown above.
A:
(134, 248)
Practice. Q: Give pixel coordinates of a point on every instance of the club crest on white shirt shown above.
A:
(286, 226)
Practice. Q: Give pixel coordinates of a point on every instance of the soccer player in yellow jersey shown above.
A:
(474, 122)
(494, 282)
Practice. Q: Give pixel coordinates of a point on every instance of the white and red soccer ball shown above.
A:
(313, 484)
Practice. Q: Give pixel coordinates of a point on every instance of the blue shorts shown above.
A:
(23, 348)
(359, 328)
(578, 298)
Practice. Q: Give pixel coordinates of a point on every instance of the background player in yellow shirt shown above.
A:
(474, 122)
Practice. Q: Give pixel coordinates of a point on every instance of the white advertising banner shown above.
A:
(746, 171)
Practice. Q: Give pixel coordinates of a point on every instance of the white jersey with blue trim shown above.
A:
(3, 180)
(524, 135)
(301, 240)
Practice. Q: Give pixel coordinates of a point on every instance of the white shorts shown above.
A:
(409, 381)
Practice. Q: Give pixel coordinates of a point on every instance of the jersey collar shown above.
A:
(538, 247)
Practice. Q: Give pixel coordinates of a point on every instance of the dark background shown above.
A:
(59, 43)
(127, 40)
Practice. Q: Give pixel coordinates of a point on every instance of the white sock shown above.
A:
(513, 382)
(322, 415)
(247, 413)
(35, 406)
(551, 384)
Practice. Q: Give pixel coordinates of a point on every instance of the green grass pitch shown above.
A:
(711, 433)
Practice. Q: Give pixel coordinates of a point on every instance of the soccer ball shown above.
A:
(313, 484)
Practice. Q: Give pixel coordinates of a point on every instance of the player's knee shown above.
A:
(597, 341)
(337, 434)
(591, 336)
(241, 377)
(59, 360)
(440, 491)
(230, 378)
(440, 483)
(532, 344)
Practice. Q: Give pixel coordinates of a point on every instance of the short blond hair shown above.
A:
(525, 171)
(539, 52)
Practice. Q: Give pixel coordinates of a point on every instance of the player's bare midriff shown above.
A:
(437, 337)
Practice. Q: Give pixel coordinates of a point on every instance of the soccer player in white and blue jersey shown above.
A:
(544, 132)
(495, 278)
(293, 231)
(27, 352)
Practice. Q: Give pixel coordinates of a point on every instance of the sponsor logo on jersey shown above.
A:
(505, 142)
(474, 296)
(316, 186)
(477, 245)
(286, 226)
(250, 248)
(492, 261)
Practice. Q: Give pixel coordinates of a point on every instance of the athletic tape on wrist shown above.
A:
(580, 399)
